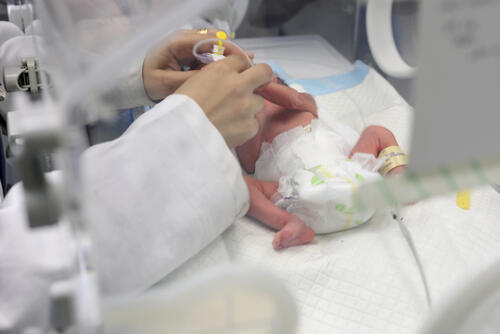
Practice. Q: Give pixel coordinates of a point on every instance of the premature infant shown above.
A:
(307, 169)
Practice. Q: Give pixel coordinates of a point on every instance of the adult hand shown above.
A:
(225, 91)
(288, 98)
(161, 71)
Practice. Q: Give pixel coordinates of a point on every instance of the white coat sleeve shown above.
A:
(159, 194)
(129, 91)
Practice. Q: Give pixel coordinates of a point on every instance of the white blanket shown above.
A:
(365, 280)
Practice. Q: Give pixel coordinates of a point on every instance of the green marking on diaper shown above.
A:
(358, 222)
(349, 160)
(340, 207)
(316, 181)
(360, 177)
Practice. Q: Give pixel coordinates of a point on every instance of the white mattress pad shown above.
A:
(365, 280)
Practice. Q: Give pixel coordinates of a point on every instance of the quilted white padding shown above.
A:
(365, 280)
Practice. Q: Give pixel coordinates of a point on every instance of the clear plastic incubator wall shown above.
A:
(99, 247)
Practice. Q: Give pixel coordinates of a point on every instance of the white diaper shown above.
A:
(316, 179)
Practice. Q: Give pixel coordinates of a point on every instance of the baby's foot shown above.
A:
(294, 233)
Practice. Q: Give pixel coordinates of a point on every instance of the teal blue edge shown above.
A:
(326, 85)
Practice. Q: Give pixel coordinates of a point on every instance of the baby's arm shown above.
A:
(373, 140)
(291, 230)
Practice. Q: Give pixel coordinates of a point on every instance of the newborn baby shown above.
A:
(307, 169)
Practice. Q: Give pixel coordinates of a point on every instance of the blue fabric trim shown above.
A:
(326, 85)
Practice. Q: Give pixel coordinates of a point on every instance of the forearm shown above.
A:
(179, 184)
(129, 91)
(373, 140)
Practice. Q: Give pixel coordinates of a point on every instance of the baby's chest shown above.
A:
(284, 121)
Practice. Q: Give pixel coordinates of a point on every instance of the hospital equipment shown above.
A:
(460, 34)
(26, 77)
(2, 93)
(381, 39)
(230, 299)
(20, 12)
(217, 52)
(334, 286)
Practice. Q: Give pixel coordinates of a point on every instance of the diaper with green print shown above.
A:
(316, 178)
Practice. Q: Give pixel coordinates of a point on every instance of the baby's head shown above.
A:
(284, 109)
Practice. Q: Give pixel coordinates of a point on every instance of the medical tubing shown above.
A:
(411, 245)
(227, 41)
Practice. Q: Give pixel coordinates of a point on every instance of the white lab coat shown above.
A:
(155, 197)
(160, 193)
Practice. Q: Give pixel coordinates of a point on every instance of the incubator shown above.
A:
(427, 70)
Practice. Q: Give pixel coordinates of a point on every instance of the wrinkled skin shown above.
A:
(291, 110)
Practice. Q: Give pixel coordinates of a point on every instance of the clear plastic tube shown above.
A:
(409, 240)
(202, 57)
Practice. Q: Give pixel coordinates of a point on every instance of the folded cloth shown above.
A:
(317, 179)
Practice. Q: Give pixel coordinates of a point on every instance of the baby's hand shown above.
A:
(373, 140)
(292, 231)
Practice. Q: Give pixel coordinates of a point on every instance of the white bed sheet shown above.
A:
(365, 280)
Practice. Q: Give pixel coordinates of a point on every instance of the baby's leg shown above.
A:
(291, 230)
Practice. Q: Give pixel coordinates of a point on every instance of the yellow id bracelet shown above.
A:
(394, 156)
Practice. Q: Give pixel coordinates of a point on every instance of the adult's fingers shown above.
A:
(237, 63)
(257, 103)
(177, 78)
(258, 75)
(288, 97)
(161, 83)
(171, 80)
